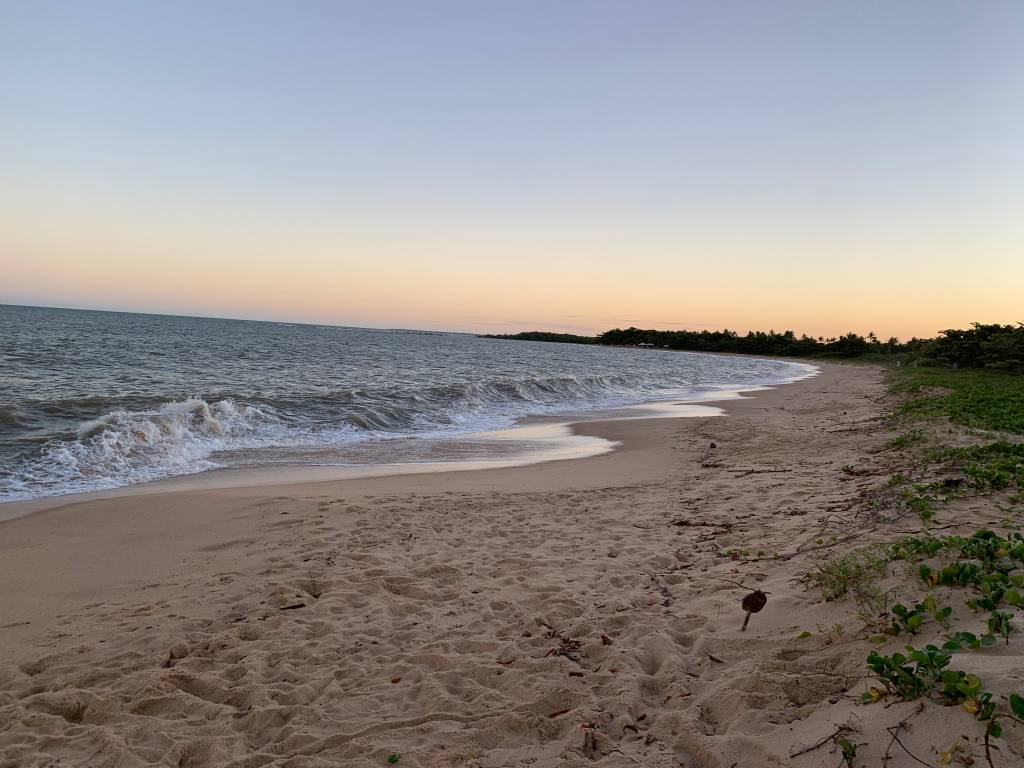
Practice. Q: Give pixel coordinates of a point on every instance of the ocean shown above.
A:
(94, 400)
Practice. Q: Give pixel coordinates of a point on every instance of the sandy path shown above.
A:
(563, 614)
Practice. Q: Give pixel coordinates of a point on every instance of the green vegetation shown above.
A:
(992, 567)
(853, 574)
(983, 399)
(923, 673)
(907, 439)
(910, 619)
(991, 467)
(754, 342)
(994, 347)
(982, 346)
(899, 677)
(849, 751)
(990, 400)
(981, 573)
(565, 338)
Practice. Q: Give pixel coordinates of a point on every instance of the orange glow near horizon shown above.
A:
(578, 287)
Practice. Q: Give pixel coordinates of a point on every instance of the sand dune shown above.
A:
(576, 613)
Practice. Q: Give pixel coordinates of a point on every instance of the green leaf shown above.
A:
(803, 635)
(1017, 705)
(988, 640)
(393, 758)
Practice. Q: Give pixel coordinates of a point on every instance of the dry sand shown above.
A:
(571, 613)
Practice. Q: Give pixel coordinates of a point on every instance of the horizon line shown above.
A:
(390, 328)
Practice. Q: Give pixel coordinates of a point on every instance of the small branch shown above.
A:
(745, 472)
(988, 732)
(734, 583)
(894, 731)
(838, 732)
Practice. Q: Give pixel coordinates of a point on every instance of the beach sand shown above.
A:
(571, 613)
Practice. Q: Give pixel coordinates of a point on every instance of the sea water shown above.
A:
(96, 400)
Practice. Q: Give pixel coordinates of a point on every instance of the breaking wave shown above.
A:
(301, 396)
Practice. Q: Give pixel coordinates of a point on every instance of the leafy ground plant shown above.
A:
(990, 467)
(910, 620)
(908, 676)
(977, 398)
(923, 673)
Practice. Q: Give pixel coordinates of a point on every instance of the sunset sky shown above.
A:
(493, 166)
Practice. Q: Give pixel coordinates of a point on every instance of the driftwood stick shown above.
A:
(894, 732)
(838, 732)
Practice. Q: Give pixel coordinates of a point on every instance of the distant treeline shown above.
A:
(980, 346)
(565, 338)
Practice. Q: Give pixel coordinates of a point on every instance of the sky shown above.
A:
(504, 166)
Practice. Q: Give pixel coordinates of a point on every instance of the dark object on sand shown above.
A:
(753, 603)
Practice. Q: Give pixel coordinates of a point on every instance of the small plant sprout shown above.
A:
(849, 751)
(958, 747)
(1000, 625)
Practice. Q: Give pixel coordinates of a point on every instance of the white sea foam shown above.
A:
(125, 447)
(442, 397)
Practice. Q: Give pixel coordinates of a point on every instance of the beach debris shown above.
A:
(840, 730)
(293, 606)
(753, 603)
(567, 647)
(715, 659)
(713, 446)
(606, 640)
(714, 529)
(685, 522)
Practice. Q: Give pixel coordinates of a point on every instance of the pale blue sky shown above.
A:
(761, 138)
